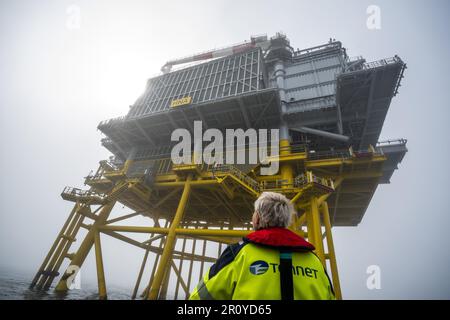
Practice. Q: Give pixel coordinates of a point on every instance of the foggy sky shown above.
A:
(57, 83)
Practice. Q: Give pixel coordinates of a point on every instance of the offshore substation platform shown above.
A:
(329, 110)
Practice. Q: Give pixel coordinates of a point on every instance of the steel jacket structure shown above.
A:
(249, 270)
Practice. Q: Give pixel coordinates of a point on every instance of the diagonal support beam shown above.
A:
(263, 111)
(170, 242)
(152, 142)
(244, 113)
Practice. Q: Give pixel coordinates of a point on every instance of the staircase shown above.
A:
(226, 170)
(83, 196)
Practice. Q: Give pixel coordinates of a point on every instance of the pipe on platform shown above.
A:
(322, 133)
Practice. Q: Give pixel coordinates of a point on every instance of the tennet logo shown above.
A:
(259, 267)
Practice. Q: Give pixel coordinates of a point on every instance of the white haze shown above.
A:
(57, 84)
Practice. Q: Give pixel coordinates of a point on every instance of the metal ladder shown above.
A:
(244, 180)
(48, 270)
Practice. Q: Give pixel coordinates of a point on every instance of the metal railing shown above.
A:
(354, 58)
(106, 140)
(384, 143)
(275, 185)
(113, 163)
(317, 155)
(94, 176)
(294, 148)
(76, 192)
(111, 121)
(106, 166)
(307, 177)
(381, 63)
(299, 181)
(331, 45)
(253, 184)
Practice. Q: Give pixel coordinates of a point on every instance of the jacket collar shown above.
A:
(281, 238)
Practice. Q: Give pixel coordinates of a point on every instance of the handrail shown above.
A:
(238, 174)
(307, 177)
(111, 120)
(373, 64)
(80, 193)
(381, 63)
(330, 45)
(298, 182)
(354, 58)
(316, 155)
(91, 176)
(400, 141)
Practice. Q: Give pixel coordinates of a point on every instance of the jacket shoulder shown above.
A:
(226, 257)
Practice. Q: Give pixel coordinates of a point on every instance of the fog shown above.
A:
(60, 78)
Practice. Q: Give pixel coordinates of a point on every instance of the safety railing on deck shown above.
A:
(105, 166)
(300, 181)
(294, 148)
(317, 155)
(274, 185)
(354, 59)
(165, 165)
(253, 184)
(330, 45)
(111, 121)
(381, 63)
(391, 142)
(307, 177)
(76, 192)
(94, 176)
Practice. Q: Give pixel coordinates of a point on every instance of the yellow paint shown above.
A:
(99, 264)
(220, 193)
(155, 287)
(331, 253)
(287, 172)
(180, 102)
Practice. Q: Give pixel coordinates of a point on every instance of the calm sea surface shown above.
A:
(14, 286)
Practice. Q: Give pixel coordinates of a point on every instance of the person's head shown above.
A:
(272, 210)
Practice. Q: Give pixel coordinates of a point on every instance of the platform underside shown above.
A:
(214, 201)
(362, 99)
(251, 110)
(356, 108)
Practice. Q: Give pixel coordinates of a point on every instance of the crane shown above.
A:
(255, 41)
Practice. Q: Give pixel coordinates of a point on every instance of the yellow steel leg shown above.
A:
(141, 271)
(53, 248)
(144, 262)
(287, 172)
(100, 272)
(86, 245)
(314, 229)
(144, 294)
(180, 269)
(202, 262)
(165, 283)
(191, 264)
(63, 248)
(170, 242)
(331, 252)
(310, 226)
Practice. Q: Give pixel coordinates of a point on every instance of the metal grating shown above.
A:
(230, 76)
